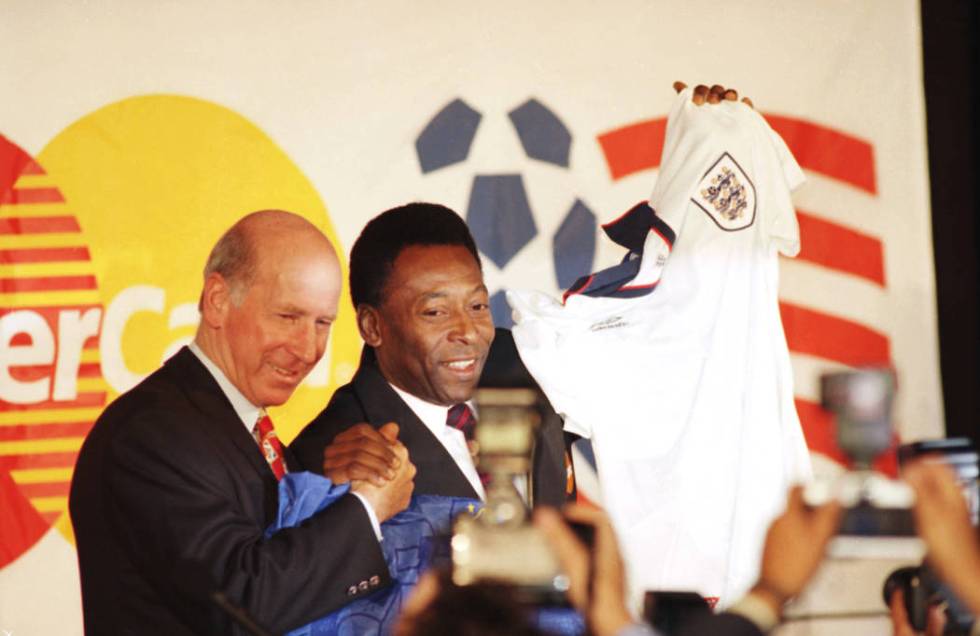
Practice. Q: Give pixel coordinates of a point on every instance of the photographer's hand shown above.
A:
(943, 522)
(794, 548)
(597, 579)
(935, 619)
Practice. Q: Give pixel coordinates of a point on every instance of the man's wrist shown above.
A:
(762, 606)
(370, 513)
(771, 594)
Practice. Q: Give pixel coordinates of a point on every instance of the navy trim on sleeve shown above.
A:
(630, 230)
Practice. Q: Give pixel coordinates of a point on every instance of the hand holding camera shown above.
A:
(596, 577)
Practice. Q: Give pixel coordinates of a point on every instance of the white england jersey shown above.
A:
(675, 363)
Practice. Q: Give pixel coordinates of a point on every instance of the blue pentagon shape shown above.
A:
(574, 245)
(500, 310)
(500, 216)
(542, 134)
(447, 138)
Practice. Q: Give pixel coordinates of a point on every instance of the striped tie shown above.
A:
(460, 417)
(270, 445)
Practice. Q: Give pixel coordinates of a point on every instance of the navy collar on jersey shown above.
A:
(629, 230)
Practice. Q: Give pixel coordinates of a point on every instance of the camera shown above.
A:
(875, 506)
(499, 544)
(920, 587)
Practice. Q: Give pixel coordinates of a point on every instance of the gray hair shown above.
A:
(233, 256)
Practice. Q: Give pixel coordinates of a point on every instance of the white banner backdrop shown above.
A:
(552, 110)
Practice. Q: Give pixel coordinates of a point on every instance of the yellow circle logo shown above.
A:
(151, 183)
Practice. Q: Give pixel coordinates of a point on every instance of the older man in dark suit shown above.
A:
(178, 479)
(423, 312)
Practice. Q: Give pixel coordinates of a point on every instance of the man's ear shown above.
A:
(215, 300)
(369, 324)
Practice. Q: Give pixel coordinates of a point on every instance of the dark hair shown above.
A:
(386, 235)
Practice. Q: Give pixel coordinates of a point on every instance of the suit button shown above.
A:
(363, 585)
(375, 580)
(352, 590)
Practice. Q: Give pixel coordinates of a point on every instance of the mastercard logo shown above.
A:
(103, 236)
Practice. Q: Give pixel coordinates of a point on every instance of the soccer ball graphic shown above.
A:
(531, 229)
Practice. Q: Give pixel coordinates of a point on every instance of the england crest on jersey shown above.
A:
(727, 195)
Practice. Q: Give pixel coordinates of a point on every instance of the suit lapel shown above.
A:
(437, 473)
(203, 390)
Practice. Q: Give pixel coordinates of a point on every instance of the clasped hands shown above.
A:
(375, 463)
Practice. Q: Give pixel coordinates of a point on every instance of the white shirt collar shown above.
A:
(432, 415)
(246, 411)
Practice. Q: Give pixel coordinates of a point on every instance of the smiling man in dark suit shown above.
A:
(178, 480)
(423, 313)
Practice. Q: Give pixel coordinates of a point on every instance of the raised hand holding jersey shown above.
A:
(675, 363)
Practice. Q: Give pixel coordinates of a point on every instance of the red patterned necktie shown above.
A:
(270, 446)
(460, 417)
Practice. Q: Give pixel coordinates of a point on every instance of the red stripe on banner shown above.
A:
(37, 460)
(83, 401)
(90, 370)
(38, 225)
(835, 154)
(13, 163)
(33, 168)
(820, 432)
(22, 526)
(51, 316)
(18, 196)
(30, 373)
(44, 431)
(841, 248)
(830, 152)
(46, 283)
(44, 255)
(634, 148)
(832, 338)
(45, 489)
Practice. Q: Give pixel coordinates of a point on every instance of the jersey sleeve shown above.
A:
(783, 175)
(538, 333)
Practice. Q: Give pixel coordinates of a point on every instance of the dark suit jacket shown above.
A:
(369, 398)
(169, 502)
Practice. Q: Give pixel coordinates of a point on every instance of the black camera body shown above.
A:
(500, 544)
(921, 588)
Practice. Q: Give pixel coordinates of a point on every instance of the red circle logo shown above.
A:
(51, 386)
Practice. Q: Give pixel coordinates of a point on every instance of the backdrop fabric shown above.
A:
(133, 134)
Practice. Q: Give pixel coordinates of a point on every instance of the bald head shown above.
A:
(257, 236)
(271, 290)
